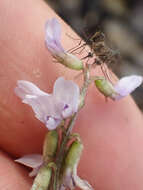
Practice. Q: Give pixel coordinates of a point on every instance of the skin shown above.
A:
(112, 132)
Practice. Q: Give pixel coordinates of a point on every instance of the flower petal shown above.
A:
(71, 180)
(53, 36)
(67, 92)
(53, 29)
(31, 160)
(24, 87)
(50, 108)
(127, 85)
(52, 123)
(82, 184)
(35, 171)
(62, 187)
(68, 181)
(44, 106)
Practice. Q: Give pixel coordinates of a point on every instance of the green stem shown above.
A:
(60, 156)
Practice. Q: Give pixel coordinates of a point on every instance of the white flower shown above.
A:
(50, 109)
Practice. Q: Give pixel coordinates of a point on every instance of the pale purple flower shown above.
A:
(53, 43)
(50, 109)
(34, 161)
(126, 86)
(53, 37)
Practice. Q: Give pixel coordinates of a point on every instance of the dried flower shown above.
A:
(41, 170)
(33, 161)
(36, 161)
(52, 39)
(50, 109)
(124, 86)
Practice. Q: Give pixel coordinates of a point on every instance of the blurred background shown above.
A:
(122, 23)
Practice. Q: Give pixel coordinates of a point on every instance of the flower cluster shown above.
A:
(63, 104)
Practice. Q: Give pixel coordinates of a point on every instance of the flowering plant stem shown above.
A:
(67, 133)
(59, 110)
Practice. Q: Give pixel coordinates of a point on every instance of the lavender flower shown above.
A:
(50, 109)
(124, 86)
(127, 85)
(52, 39)
(33, 161)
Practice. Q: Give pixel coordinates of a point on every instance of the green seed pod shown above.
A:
(105, 87)
(69, 178)
(73, 155)
(42, 180)
(70, 61)
(50, 145)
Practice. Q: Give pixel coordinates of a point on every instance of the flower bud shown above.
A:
(42, 180)
(105, 87)
(50, 145)
(70, 61)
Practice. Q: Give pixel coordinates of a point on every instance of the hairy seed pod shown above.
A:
(50, 145)
(42, 180)
(73, 155)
